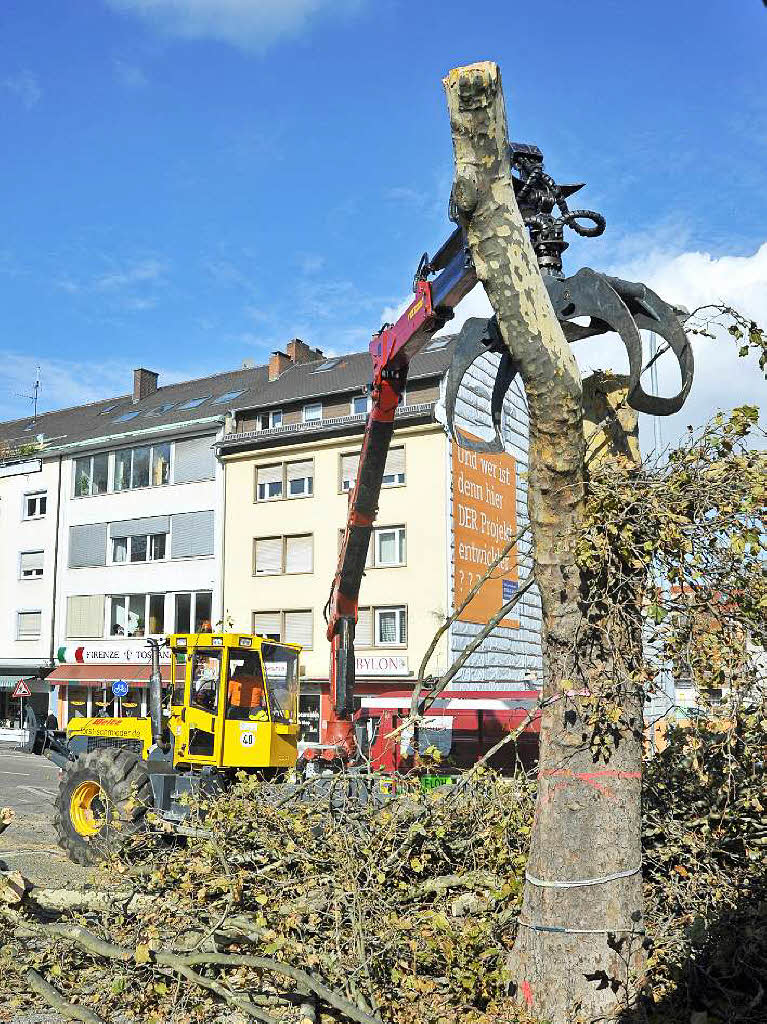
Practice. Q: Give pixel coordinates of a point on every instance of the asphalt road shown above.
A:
(28, 785)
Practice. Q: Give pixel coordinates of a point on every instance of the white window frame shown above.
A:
(37, 575)
(282, 613)
(400, 533)
(307, 418)
(284, 494)
(129, 549)
(399, 479)
(396, 482)
(28, 611)
(355, 398)
(36, 495)
(95, 455)
(193, 595)
(308, 491)
(401, 613)
(132, 449)
(283, 569)
(125, 599)
(271, 497)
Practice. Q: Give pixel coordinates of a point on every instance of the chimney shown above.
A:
(144, 383)
(278, 363)
(300, 352)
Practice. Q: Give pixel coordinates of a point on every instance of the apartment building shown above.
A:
(29, 488)
(290, 461)
(223, 500)
(118, 537)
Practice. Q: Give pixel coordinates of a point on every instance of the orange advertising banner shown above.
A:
(484, 520)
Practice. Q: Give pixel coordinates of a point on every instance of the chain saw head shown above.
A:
(609, 303)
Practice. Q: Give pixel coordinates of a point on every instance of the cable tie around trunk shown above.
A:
(545, 884)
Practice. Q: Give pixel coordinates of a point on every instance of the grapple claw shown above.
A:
(476, 337)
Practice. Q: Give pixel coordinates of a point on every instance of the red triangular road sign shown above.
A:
(22, 690)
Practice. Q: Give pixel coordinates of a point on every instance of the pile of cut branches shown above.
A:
(369, 912)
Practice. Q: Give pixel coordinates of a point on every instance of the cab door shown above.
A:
(199, 740)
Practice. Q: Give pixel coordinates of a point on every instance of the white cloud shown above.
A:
(26, 87)
(689, 279)
(64, 383)
(125, 284)
(140, 272)
(248, 24)
(129, 75)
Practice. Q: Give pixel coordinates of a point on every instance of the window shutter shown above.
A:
(267, 624)
(194, 460)
(349, 465)
(191, 534)
(298, 628)
(31, 560)
(270, 474)
(299, 470)
(85, 616)
(268, 556)
(87, 545)
(299, 553)
(363, 635)
(395, 461)
(29, 625)
(140, 527)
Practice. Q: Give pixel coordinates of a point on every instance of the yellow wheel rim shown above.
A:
(86, 820)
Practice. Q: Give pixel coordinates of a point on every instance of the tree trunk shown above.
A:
(578, 952)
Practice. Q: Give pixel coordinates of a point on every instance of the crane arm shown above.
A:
(391, 350)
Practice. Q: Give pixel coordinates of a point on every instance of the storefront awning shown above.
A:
(95, 675)
(10, 682)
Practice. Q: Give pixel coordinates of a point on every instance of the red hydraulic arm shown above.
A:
(391, 349)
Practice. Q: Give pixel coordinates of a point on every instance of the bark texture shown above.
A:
(578, 952)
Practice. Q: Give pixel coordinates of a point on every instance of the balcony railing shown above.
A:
(331, 423)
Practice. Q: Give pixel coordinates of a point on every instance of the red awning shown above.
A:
(94, 675)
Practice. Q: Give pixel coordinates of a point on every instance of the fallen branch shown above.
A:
(168, 958)
(57, 1002)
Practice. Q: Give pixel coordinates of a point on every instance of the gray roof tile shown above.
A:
(101, 420)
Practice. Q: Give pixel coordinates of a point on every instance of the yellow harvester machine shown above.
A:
(233, 706)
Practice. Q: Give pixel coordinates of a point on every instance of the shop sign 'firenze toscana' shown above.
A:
(105, 654)
(484, 520)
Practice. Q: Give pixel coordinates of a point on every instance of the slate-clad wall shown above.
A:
(509, 658)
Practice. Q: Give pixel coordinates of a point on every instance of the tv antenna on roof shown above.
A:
(33, 398)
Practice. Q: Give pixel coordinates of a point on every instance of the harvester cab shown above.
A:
(234, 701)
(232, 706)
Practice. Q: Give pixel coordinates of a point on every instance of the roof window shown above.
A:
(160, 410)
(130, 415)
(438, 344)
(192, 403)
(329, 364)
(228, 396)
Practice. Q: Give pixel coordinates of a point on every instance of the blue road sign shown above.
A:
(120, 688)
(508, 589)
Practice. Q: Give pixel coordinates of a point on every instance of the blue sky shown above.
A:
(188, 183)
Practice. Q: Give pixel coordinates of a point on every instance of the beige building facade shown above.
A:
(282, 549)
(289, 464)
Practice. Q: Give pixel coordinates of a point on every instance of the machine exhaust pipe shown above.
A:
(155, 692)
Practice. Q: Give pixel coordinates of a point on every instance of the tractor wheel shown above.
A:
(102, 799)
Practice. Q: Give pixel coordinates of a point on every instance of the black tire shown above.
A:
(118, 809)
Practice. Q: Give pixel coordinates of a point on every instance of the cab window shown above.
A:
(246, 698)
(206, 674)
(281, 665)
(179, 677)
